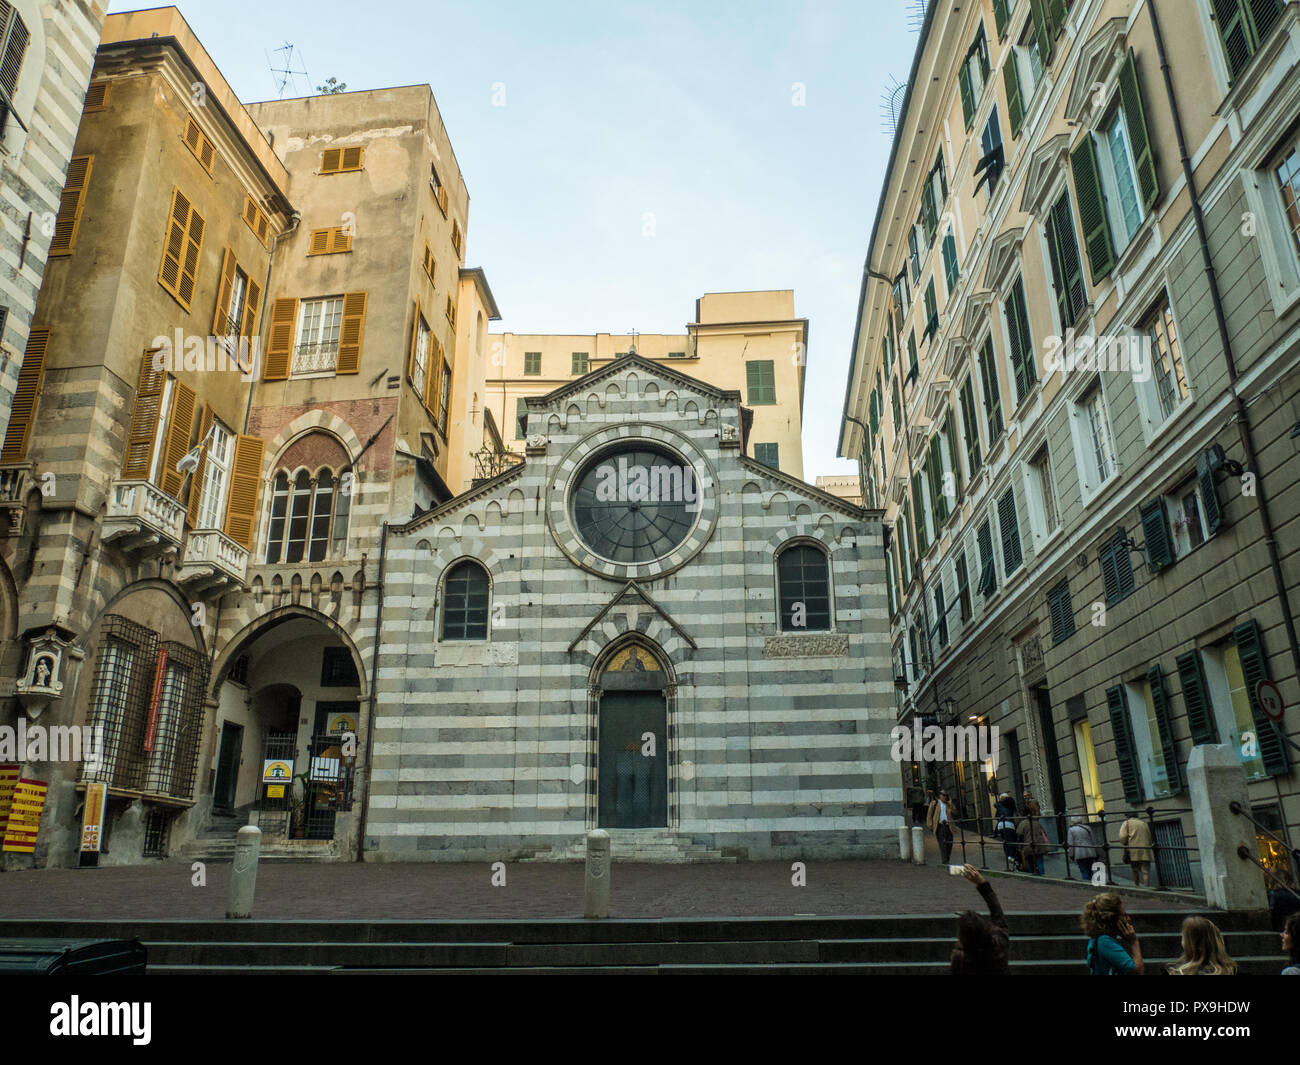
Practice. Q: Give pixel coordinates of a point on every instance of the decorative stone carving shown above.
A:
(812, 645)
(536, 443)
(728, 434)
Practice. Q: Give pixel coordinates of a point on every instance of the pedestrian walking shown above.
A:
(1033, 839)
(983, 943)
(1291, 945)
(1113, 947)
(1135, 838)
(1083, 851)
(1005, 827)
(940, 819)
(1204, 952)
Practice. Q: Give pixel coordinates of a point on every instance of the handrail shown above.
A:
(1243, 852)
(1240, 810)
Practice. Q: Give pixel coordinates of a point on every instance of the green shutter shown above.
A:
(1264, 15)
(938, 501)
(1072, 296)
(1155, 530)
(1012, 554)
(521, 418)
(1138, 137)
(918, 505)
(1209, 495)
(1092, 210)
(1122, 730)
(1160, 703)
(1200, 716)
(1000, 16)
(970, 427)
(1056, 16)
(914, 365)
(967, 100)
(1015, 108)
(1234, 32)
(1042, 32)
(1254, 667)
(950, 432)
(1022, 357)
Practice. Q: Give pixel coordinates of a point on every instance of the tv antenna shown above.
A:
(284, 75)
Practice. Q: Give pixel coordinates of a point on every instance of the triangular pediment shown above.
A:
(1045, 166)
(632, 595)
(1003, 253)
(978, 308)
(619, 366)
(1096, 63)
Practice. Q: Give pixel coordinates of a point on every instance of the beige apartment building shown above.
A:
(845, 487)
(750, 341)
(1075, 390)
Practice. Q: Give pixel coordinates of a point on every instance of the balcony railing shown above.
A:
(144, 517)
(15, 483)
(320, 357)
(212, 558)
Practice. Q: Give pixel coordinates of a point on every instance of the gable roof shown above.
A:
(621, 363)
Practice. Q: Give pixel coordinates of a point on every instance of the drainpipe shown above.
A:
(1225, 339)
(374, 688)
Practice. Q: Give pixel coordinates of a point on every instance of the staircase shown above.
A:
(216, 843)
(641, 845)
(1043, 944)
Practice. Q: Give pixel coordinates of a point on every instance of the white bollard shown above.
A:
(918, 844)
(243, 873)
(595, 888)
(904, 842)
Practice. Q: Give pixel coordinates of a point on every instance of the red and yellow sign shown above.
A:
(25, 816)
(155, 701)
(92, 820)
(8, 780)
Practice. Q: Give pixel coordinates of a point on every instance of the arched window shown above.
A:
(309, 516)
(465, 602)
(804, 589)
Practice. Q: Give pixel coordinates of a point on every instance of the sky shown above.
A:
(624, 158)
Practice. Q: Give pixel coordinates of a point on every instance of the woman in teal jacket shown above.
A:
(1113, 947)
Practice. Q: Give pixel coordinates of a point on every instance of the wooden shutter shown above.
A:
(967, 97)
(918, 511)
(1061, 609)
(1073, 296)
(330, 159)
(988, 570)
(190, 264)
(279, 348)
(1017, 344)
(413, 340)
(1230, 18)
(1015, 107)
(1122, 730)
(145, 416)
(1155, 530)
(1168, 748)
(176, 438)
(199, 144)
(245, 484)
(1042, 31)
(1254, 667)
(340, 239)
(224, 288)
(252, 304)
(319, 241)
(1200, 716)
(1109, 577)
(1000, 16)
(196, 482)
(1264, 15)
(184, 242)
(96, 96)
(1138, 137)
(938, 499)
(351, 159)
(1012, 553)
(1056, 16)
(351, 332)
(1092, 210)
(433, 377)
(256, 219)
(22, 411)
(71, 202)
(457, 239)
(1209, 495)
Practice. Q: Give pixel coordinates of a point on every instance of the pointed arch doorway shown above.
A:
(633, 687)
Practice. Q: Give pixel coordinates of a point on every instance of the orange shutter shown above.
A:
(433, 376)
(176, 440)
(256, 219)
(329, 160)
(22, 412)
(196, 482)
(96, 96)
(319, 242)
(330, 240)
(252, 304)
(197, 143)
(245, 484)
(340, 239)
(284, 319)
(175, 249)
(222, 314)
(190, 265)
(144, 420)
(411, 344)
(68, 220)
(353, 329)
(351, 159)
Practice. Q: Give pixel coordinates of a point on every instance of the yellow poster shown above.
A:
(25, 816)
(92, 821)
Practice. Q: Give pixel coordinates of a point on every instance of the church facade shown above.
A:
(639, 628)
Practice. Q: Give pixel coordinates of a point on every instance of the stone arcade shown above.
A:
(706, 676)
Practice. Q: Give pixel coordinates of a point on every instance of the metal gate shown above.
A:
(1172, 865)
(328, 788)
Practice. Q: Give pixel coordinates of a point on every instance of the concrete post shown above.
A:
(918, 844)
(243, 873)
(904, 842)
(595, 888)
(1215, 779)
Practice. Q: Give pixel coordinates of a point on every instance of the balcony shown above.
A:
(212, 563)
(143, 520)
(317, 358)
(15, 482)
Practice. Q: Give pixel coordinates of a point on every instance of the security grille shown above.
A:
(1172, 863)
(157, 825)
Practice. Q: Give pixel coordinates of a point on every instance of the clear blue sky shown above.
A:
(679, 109)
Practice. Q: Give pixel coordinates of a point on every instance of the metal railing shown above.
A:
(321, 357)
(1243, 851)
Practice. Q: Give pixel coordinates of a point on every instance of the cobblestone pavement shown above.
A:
(437, 890)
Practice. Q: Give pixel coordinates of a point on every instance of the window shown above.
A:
(1089, 777)
(940, 614)
(1243, 26)
(68, 221)
(914, 253)
(1042, 495)
(1021, 72)
(973, 76)
(465, 595)
(532, 363)
(1114, 177)
(521, 418)
(1090, 428)
(319, 324)
(1167, 373)
(921, 511)
(989, 167)
(803, 589)
(1066, 266)
(420, 357)
(931, 311)
(950, 261)
(337, 669)
(988, 582)
(1287, 174)
(457, 240)
(970, 427)
(902, 299)
(215, 471)
(1233, 672)
(1116, 569)
(309, 516)
(580, 364)
(341, 160)
(1218, 701)
(329, 241)
(451, 311)
(992, 394)
(444, 397)
(1012, 555)
(181, 247)
(936, 469)
(1061, 610)
(887, 352)
(1153, 753)
(1020, 342)
(897, 411)
(767, 455)
(963, 589)
(1186, 515)
(439, 189)
(951, 461)
(15, 35)
(760, 380)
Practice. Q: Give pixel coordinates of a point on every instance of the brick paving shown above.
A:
(533, 890)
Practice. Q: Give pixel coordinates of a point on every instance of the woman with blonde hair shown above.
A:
(1204, 952)
(1113, 947)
